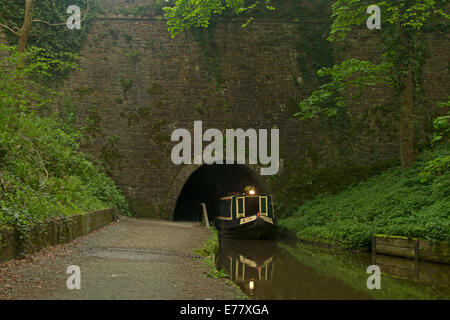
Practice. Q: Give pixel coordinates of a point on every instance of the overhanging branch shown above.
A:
(9, 29)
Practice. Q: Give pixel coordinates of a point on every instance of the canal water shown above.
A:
(275, 270)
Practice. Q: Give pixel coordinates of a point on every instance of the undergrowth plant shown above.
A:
(43, 174)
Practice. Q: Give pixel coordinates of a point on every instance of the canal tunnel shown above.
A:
(210, 182)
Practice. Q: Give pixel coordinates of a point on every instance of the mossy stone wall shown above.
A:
(137, 84)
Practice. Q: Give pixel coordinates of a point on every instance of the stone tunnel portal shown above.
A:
(210, 182)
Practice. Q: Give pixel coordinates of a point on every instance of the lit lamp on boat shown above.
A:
(250, 190)
(251, 284)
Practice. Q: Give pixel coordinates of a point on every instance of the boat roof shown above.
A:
(245, 195)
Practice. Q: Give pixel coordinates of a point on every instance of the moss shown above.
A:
(209, 52)
(156, 211)
(199, 108)
(114, 33)
(143, 112)
(156, 163)
(158, 134)
(395, 237)
(101, 36)
(126, 85)
(127, 37)
(110, 154)
(83, 91)
(133, 55)
(155, 89)
(92, 122)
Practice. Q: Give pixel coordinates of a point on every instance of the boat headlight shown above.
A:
(250, 190)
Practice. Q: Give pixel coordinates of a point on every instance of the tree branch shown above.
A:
(9, 29)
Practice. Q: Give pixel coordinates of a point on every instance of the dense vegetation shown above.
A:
(42, 172)
(409, 202)
(48, 29)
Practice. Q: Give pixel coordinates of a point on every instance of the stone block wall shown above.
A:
(137, 84)
(53, 232)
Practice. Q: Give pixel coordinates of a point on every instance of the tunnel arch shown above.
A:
(209, 182)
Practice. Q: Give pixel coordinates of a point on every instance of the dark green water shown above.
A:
(280, 270)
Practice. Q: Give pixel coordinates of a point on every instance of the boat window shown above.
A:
(263, 206)
(225, 208)
(251, 206)
(240, 212)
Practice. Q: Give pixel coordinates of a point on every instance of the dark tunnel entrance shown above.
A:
(210, 182)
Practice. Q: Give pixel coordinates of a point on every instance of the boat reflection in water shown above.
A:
(252, 266)
(271, 270)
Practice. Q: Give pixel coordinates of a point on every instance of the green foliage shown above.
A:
(442, 124)
(42, 172)
(299, 184)
(441, 133)
(403, 23)
(187, 14)
(210, 53)
(211, 246)
(51, 39)
(209, 250)
(350, 73)
(126, 85)
(397, 202)
(411, 15)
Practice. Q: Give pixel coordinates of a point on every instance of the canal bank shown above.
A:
(404, 203)
(129, 259)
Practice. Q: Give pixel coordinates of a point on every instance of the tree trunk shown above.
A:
(407, 121)
(26, 28)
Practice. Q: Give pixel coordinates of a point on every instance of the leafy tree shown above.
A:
(187, 14)
(404, 23)
(43, 24)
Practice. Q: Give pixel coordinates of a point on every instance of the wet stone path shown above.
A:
(129, 259)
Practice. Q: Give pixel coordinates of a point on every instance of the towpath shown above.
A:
(129, 259)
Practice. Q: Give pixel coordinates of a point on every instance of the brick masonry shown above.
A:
(137, 84)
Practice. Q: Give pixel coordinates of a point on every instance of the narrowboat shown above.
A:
(245, 215)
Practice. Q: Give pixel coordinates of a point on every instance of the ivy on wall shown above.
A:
(209, 52)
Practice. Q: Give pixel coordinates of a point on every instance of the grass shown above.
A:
(398, 202)
(208, 251)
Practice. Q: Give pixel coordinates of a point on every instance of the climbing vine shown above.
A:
(209, 52)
